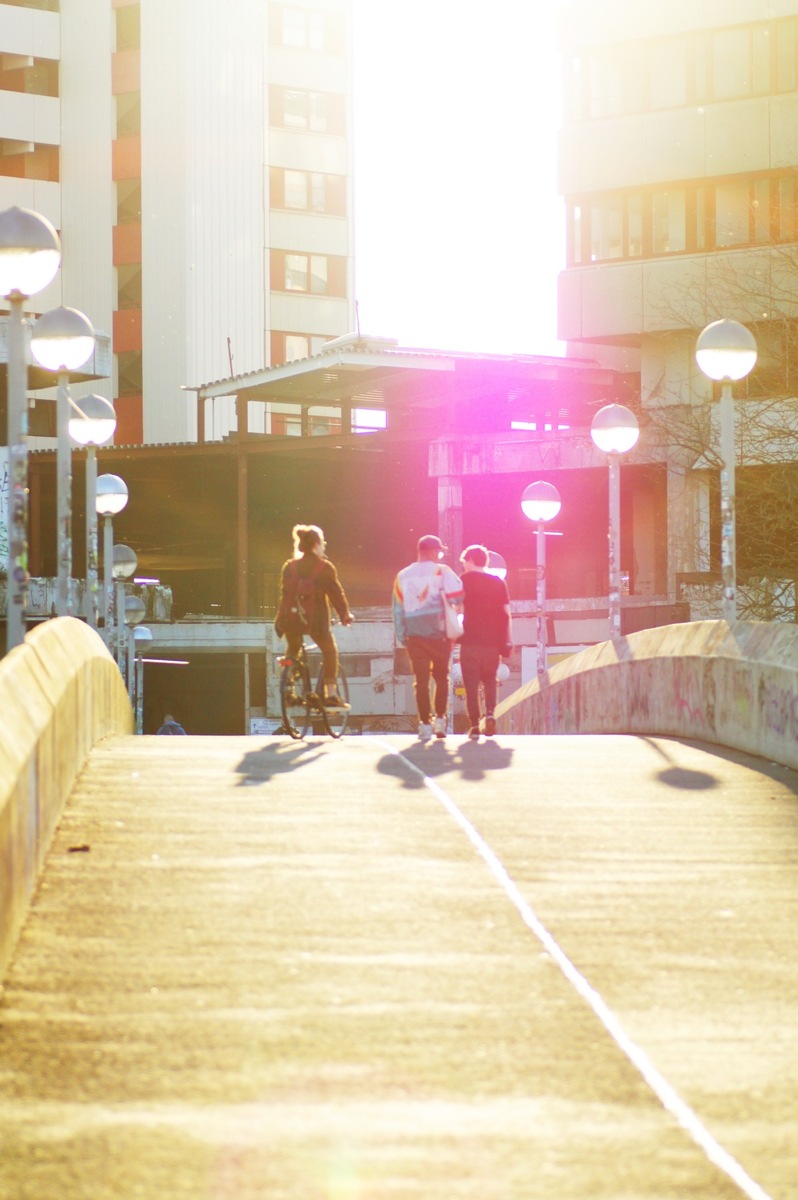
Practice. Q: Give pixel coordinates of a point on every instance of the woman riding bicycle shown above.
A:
(311, 573)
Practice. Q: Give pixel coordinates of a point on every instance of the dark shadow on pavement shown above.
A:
(681, 777)
(471, 760)
(277, 758)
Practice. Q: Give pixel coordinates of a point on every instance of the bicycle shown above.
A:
(299, 702)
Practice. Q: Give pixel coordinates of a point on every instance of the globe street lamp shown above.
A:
(541, 503)
(92, 424)
(124, 566)
(726, 351)
(63, 340)
(135, 611)
(614, 430)
(142, 635)
(110, 498)
(30, 252)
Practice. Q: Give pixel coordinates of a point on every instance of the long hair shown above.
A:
(306, 538)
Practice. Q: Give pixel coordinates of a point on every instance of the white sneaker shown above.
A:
(424, 733)
(440, 727)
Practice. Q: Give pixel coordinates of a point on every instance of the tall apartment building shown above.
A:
(679, 167)
(196, 159)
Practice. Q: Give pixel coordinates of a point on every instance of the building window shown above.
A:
(315, 112)
(308, 191)
(129, 373)
(306, 29)
(128, 201)
(128, 114)
(36, 78)
(128, 27)
(668, 221)
(742, 211)
(712, 66)
(128, 276)
(316, 274)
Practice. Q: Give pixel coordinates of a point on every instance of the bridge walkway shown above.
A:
(537, 967)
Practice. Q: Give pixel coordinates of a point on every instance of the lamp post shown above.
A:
(110, 498)
(62, 340)
(726, 351)
(135, 610)
(30, 252)
(92, 424)
(541, 503)
(142, 635)
(614, 430)
(124, 566)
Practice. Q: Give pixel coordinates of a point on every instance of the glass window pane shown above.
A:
(668, 74)
(576, 234)
(318, 274)
(605, 230)
(316, 31)
(296, 346)
(295, 109)
(760, 48)
(787, 210)
(761, 211)
(293, 27)
(318, 112)
(296, 189)
(634, 226)
(318, 187)
(731, 214)
(731, 68)
(296, 272)
(786, 63)
(700, 218)
(668, 220)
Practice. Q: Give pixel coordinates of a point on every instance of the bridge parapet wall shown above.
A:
(60, 693)
(736, 686)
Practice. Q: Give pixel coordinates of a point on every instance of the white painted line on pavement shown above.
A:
(667, 1095)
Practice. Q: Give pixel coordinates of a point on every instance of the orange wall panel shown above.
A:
(127, 158)
(129, 421)
(125, 71)
(127, 244)
(127, 330)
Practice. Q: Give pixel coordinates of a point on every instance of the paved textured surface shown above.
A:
(260, 969)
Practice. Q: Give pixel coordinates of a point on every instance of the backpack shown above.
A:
(298, 604)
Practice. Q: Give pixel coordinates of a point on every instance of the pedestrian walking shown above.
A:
(419, 594)
(487, 636)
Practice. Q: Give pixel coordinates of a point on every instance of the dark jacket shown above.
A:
(327, 591)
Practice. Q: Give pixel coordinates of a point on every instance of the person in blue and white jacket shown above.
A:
(419, 593)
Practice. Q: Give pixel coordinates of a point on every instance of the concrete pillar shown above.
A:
(450, 514)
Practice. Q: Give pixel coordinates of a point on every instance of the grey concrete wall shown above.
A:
(733, 685)
(60, 693)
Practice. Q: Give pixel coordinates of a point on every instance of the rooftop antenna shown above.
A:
(230, 355)
(357, 317)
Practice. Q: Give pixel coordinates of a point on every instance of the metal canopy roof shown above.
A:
(366, 371)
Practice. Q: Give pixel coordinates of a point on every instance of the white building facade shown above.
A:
(679, 167)
(197, 162)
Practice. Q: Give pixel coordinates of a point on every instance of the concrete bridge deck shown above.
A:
(541, 967)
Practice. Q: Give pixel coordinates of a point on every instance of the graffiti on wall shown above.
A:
(5, 491)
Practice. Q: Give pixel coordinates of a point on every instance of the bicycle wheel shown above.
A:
(335, 719)
(295, 698)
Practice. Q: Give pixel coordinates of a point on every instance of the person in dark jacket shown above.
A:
(171, 726)
(310, 561)
(486, 635)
